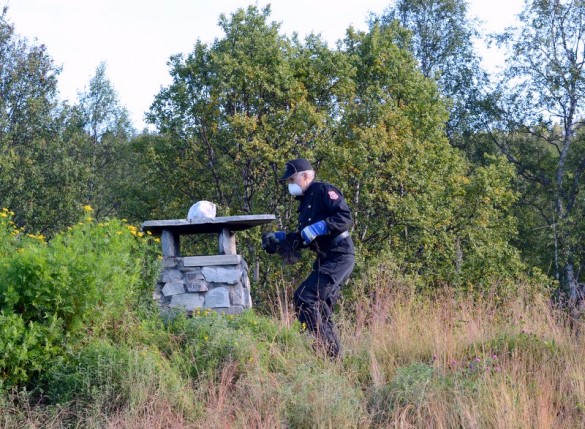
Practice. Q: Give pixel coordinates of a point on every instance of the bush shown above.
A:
(55, 294)
(25, 348)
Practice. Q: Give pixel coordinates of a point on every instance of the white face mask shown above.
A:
(295, 190)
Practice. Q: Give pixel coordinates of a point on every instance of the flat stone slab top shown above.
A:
(206, 225)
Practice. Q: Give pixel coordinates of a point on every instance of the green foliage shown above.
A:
(53, 295)
(412, 386)
(28, 89)
(102, 382)
(27, 348)
(38, 174)
(310, 392)
(441, 39)
(55, 157)
(528, 344)
(412, 194)
(369, 114)
(231, 116)
(417, 385)
(110, 377)
(209, 341)
(75, 322)
(104, 131)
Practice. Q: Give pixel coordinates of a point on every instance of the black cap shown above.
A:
(294, 166)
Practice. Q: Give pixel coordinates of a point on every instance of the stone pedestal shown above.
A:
(219, 283)
(216, 282)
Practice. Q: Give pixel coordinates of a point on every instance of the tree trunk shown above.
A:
(571, 284)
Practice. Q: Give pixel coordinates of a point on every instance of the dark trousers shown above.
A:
(316, 296)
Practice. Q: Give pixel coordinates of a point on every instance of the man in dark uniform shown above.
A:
(324, 222)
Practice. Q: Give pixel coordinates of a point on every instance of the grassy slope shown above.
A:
(410, 361)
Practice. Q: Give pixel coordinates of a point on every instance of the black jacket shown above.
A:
(323, 201)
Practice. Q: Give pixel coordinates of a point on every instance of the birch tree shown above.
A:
(543, 112)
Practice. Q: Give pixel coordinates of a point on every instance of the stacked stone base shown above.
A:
(219, 283)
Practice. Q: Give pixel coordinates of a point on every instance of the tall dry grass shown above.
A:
(512, 364)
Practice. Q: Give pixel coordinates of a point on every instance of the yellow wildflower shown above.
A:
(87, 208)
(39, 237)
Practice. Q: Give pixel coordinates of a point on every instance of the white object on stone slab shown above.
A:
(202, 209)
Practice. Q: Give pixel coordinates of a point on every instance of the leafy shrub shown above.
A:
(309, 391)
(25, 348)
(9, 234)
(55, 294)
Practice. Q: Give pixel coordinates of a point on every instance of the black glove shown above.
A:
(289, 251)
(270, 242)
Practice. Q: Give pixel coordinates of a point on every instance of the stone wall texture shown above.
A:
(219, 283)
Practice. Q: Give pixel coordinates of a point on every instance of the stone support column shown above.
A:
(171, 244)
(227, 242)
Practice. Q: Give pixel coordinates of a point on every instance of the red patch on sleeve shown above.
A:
(333, 195)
